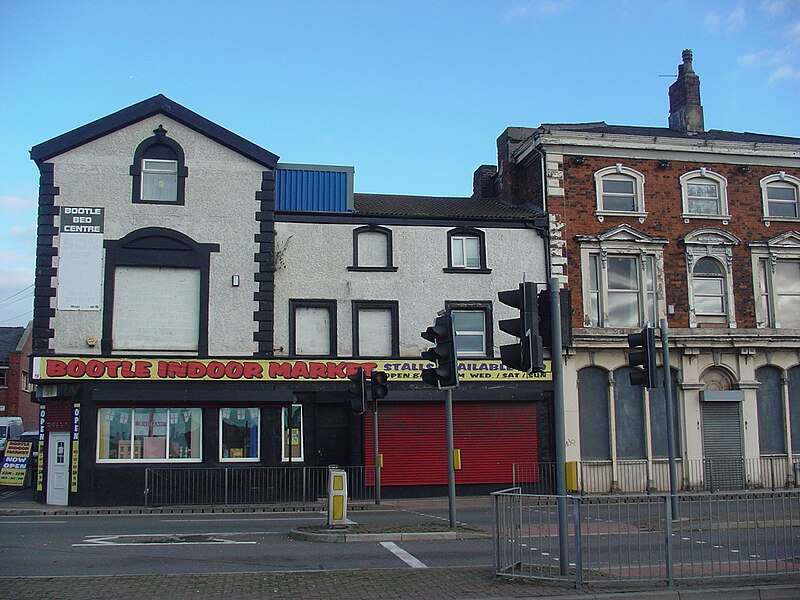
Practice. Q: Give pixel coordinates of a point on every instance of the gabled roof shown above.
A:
(9, 339)
(601, 127)
(142, 110)
(433, 207)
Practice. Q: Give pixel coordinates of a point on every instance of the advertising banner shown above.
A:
(80, 253)
(15, 463)
(76, 430)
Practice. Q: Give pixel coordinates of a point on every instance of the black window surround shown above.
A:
(156, 247)
(488, 319)
(389, 267)
(467, 232)
(390, 305)
(159, 147)
(294, 304)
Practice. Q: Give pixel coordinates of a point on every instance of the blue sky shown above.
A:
(412, 94)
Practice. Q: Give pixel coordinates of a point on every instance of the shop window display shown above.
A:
(149, 434)
(239, 434)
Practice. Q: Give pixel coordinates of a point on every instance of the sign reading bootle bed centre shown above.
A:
(163, 369)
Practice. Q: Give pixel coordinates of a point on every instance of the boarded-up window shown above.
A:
(794, 407)
(593, 414)
(770, 411)
(373, 249)
(629, 416)
(658, 417)
(156, 308)
(312, 330)
(374, 332)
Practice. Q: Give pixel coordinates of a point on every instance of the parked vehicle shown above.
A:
(10, 429)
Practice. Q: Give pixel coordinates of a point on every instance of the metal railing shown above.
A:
(644, 477)
(635, 537)
(248, 485)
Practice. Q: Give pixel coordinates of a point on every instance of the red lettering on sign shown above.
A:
(252, 370)
(56, 368)
(95, 368)
(215, 369)
(195, 369)
(300, 370)
(127, 369)
(113, 368)
(318, 370)
(142, 369)
(234, 370)
(280, 370)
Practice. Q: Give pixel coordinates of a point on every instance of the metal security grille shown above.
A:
(722, 446)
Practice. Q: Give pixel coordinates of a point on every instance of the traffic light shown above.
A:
(378, 384)
(645, 358)
(358, 391)
(526, 355)
(445, 374)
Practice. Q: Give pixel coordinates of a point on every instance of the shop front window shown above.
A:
(149, 434)
(239, 434)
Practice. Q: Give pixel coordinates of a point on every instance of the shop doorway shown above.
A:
(333, 435)
(58, 469)
(723, 449)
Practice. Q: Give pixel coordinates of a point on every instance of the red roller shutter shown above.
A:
(491, 436)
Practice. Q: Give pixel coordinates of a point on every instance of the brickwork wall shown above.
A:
(663, 203)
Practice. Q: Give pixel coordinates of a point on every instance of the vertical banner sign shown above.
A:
(80, 251)
(40, 465)
(76, 430)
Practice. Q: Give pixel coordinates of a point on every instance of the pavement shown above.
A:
(463, 583)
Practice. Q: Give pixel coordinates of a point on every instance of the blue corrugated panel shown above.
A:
(313, 189)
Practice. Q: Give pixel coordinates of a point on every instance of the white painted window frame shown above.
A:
(784, 178)
(782, 247)
(618, 170)
(722, 189)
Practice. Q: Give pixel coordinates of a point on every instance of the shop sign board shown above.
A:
(46, 368)
(15, 463)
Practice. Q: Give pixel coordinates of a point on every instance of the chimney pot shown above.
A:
(685, 110)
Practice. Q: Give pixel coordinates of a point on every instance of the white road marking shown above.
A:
(110, 540)
(407, 558)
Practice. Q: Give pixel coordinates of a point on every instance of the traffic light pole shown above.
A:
(556, 362)
(451, 469)
(673, 469)
(377, 454)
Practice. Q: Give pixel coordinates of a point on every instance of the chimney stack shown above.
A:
(685, 110)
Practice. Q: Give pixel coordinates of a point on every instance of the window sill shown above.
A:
(161, 202)
(373, 269)
(602, 214)
(689, 216)
(465, 270)
(768, 220)
(146, 461)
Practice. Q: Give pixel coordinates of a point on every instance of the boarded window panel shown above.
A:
(658, 417)
(312, 331)
(372, 249)
(156, 308)
(629, 411)
(593, 414)
(794, 407)
(374, 332)
(770, 411)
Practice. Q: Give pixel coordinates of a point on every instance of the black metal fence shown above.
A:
(248, 485)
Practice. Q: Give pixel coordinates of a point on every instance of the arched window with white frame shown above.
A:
(709, 260)
(620, 191)
(705, 195)
(780, 195)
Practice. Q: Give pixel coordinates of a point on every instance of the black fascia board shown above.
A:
(143, 110)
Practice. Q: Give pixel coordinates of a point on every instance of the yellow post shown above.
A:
(571, 472)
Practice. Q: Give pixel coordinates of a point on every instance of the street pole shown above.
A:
(670, 408)
(377, 454)
(451, 471)
(557, 368)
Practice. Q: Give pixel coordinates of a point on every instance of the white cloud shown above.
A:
(535, 7)
(784, 73)
(773, 7)
(16, 296)
(726, 23)
(15, 203)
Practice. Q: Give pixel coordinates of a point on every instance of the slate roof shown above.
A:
(445, 207)
(601, 127)
(9, 339)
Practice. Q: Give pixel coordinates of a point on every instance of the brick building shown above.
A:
(701, 227)
(15, 386)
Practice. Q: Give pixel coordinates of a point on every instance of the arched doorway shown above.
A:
(723, 450)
